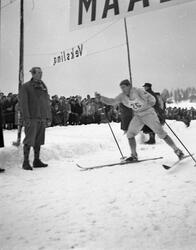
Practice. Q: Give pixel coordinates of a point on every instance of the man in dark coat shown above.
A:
(1, 128)
(126, 115)
(146, 129)
(1, 133)
(35, 111)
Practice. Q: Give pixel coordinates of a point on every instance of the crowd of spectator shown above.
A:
(65, 111)
(181, 114)
(76, 111)
(9, 105)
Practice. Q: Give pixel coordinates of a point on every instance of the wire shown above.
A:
(101, 31)
(6, 5)
(93, 53)
(105, 50)
(33, 4)
(85, 41)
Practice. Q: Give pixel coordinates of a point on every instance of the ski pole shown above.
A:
(180, 142)
(108, 122)
(115, 139)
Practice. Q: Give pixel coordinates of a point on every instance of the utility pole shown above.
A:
(0, 29)
(21, 54)
(21, 69)
(1, 113)
(128, 49)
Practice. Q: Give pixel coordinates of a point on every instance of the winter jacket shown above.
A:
(34, 101)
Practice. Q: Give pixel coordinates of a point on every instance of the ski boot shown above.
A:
(2, 170)
(26, 166)
(132, 158)
(39, 164)
(179, 153)
(151, 140)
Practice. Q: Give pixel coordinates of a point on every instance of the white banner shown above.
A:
(68, 55)
(87, 12)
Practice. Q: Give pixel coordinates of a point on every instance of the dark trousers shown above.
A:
(34, 137)
(1, 137)
(1, 129)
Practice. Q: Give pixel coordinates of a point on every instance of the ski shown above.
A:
(167, 167)
(117, 164)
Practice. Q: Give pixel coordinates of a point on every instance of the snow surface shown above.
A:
(133, 207)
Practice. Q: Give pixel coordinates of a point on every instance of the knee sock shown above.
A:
(152, 136)
(170, 142)
(132, 143)
(26, 150)
(36, 152)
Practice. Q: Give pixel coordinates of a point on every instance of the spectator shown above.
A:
(34, 105)
(75, 111)
(1, 133)
(157, 107)
(1, 128)
(65, 109)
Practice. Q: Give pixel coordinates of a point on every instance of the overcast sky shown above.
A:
(162, 45)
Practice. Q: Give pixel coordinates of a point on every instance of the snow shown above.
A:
(133, 207)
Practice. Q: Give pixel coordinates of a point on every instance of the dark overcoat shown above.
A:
(1, 128)
(126, 115)
(34, 101)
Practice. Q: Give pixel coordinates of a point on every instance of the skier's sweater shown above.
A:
(138, 100)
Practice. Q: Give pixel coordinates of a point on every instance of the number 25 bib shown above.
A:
(135, 104)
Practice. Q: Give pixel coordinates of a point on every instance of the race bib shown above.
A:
(135, 105)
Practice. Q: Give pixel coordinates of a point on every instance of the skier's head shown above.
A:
(36, 73)
(125, 86)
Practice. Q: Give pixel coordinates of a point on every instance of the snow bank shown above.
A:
(62, 143)
(76, 141)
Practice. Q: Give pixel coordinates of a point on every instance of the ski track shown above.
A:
(133, 207)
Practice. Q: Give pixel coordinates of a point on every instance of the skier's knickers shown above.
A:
(149, 118)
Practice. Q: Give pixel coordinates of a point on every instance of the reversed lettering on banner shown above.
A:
(68, 55)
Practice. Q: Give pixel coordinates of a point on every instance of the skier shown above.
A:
(35, 111)
(142, 104)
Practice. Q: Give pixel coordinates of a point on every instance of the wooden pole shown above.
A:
(21, 55)
(0, 28)
(128, 50)
(21, 70)
(1, 115)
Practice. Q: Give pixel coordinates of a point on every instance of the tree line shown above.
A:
(179, 94)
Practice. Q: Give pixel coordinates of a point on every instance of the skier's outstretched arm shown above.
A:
(109, 101)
